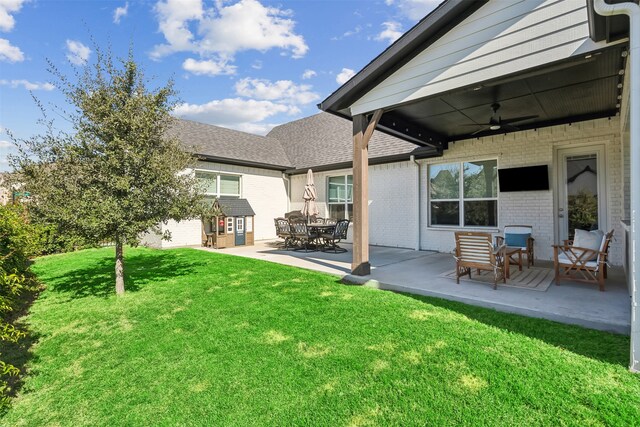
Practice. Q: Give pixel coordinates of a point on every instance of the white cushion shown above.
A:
(563, 259)
(588, 239)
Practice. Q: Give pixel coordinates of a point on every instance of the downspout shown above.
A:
(633, 11)
(412, 158)
(288, 181)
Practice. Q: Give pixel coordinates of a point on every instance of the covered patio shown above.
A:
(499, 80)
(421, 273)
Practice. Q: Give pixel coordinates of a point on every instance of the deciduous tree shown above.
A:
(118, 174)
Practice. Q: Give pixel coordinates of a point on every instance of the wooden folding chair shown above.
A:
(582, 264)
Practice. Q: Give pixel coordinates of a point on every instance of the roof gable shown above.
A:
(501, 38)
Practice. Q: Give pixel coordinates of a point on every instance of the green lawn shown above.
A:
(209, 339)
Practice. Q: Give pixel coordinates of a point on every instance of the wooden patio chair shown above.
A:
(519, 243)
(476, 250)
(581, 264)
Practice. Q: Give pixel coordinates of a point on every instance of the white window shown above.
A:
(229, 225)
(464, 194)
(249, 224)
(215, 185)
(340, 200)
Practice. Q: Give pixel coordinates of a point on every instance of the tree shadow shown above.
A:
(598, 345)
(98, 280)
(19, 353)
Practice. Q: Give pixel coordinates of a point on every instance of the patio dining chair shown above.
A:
(475, 250)
(338, 234)
(283, 231)
(302, 235)
(584, 259)
(330, 221)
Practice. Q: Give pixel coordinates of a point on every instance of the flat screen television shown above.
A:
(529, 178)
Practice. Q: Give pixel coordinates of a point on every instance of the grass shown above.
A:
(207, 339)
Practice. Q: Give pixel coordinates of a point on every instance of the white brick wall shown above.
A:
(264, 189)
(535, 208)
(392, 201)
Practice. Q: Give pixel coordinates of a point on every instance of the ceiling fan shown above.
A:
(497, 124)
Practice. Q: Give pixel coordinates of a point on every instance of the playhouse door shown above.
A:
(240, 236)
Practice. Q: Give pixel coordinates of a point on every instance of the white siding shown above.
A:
(264, 189)
(500, 38)
(535, 208)
(393, 217)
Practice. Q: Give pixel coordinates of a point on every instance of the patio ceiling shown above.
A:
(572, 90)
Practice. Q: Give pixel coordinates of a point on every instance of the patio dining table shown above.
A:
(320, 228)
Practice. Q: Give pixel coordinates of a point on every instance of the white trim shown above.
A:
(461, 199)
(559, 155)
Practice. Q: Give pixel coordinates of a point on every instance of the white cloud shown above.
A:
(235, 113)
(391, 32)
(308, 74)
(345, 75)
(257, 65)
(225, 29)
(77, 53)
(10, 53)
(284, 91)
(208, 67)
(414, 9)
(27, 84)
(5, 144)
(120, 13)
(7, 8)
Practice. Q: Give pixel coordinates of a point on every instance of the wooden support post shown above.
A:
(362, 132)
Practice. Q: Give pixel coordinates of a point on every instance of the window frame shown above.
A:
(346, 202)
(218, 175)
(461, 199)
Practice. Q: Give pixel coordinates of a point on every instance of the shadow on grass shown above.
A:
(140, 269)
(19, 353)
(598, 345)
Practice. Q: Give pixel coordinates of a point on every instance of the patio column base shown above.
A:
(363, 269)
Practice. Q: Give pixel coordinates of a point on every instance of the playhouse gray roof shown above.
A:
(235, 207)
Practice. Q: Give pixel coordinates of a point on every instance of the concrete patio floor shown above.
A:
(418, 272)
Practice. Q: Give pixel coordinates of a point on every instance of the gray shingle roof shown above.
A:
(235, 207)
(325, 139)
(223, 143)
(319, 141)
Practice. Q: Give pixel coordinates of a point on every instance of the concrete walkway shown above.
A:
(418, 272)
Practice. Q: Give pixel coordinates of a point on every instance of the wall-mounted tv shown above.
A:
(529, 178)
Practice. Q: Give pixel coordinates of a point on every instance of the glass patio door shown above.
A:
(581, 190)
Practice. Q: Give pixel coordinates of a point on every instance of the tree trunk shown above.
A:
(119, 267)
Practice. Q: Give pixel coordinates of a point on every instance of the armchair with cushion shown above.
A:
(519, 242)
(584, 259)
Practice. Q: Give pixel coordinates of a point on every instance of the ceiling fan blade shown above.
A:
(519, 119)
(509, 128)
(479, 131)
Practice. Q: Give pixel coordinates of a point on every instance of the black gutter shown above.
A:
(237, 162)
(423, 34)
(418, 154)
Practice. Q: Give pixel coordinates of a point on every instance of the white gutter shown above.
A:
(633, 11)
(286, 178)
(412, 158)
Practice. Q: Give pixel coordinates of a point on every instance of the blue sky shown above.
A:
(243, 64)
